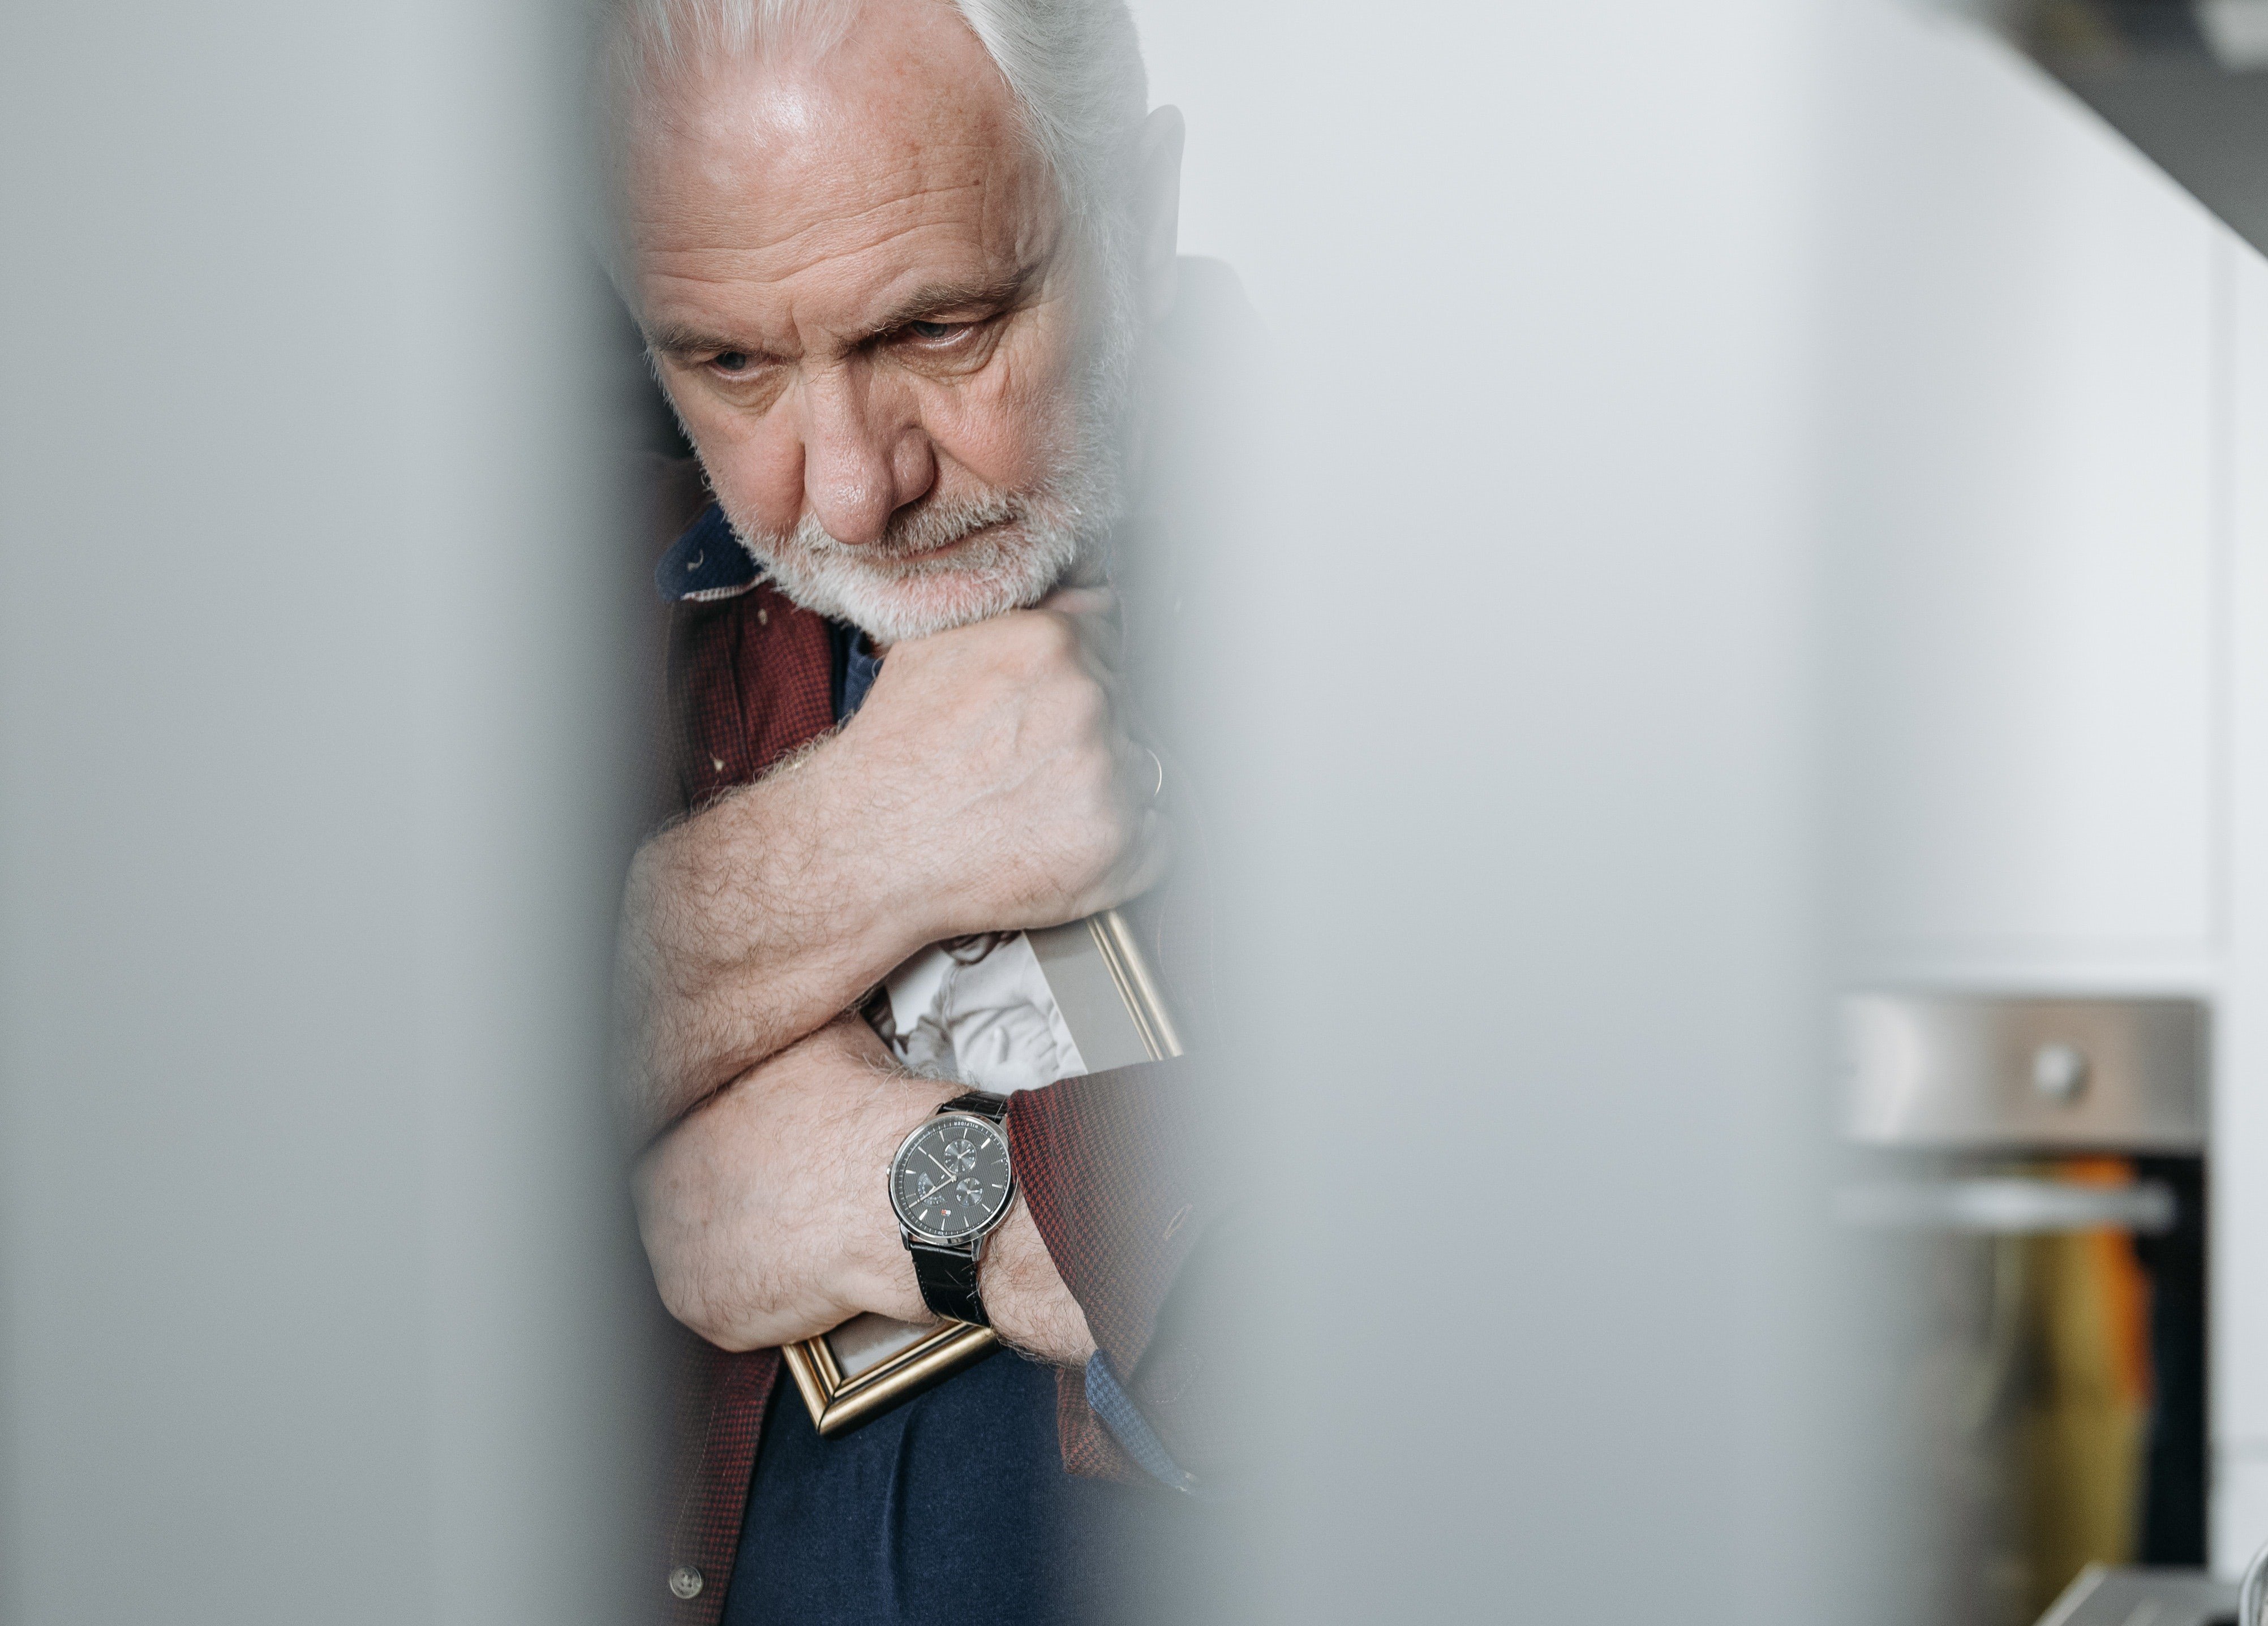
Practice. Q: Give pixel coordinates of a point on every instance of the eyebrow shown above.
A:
(680, 339)
(1000, 293)
(935, 300)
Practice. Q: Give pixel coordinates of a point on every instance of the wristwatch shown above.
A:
(950, 1185)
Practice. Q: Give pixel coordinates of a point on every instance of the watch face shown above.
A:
(950, 1180)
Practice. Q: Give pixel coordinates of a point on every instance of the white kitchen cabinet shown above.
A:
(2019, 377)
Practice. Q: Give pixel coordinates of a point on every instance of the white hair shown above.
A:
(1073, 67)
(1073, 70)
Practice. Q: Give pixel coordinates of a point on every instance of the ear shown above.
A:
(1158, 207)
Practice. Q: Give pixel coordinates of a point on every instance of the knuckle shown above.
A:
(1110, 836)
(1095, 782)
(1089, 708)
(1051, 638)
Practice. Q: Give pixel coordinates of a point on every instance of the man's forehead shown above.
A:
(771, 209)
(895, 157)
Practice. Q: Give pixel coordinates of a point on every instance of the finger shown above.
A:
(1098, 647)
(1147, 859)
(1099, 651)
(1148, 767)
(1139, 868)
(1093, 612)
(1080, 600)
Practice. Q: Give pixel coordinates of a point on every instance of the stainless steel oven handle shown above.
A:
(2008, 1205)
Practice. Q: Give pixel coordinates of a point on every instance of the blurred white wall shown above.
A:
(1525, 800)
(312, 1282)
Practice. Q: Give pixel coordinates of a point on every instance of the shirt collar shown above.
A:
(856, 666)
(706, 563)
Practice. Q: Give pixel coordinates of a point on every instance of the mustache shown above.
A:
(910, 532)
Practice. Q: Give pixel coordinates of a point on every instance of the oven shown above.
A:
(2025, 1188)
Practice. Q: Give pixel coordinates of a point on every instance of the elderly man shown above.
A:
(900, 266)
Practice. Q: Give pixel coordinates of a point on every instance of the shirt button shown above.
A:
(685, 1581)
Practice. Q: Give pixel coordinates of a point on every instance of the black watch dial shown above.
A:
(950, 1180)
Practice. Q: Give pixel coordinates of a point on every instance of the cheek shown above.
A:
(1007, 425)
(754, 462)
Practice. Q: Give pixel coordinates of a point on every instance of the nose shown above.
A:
(864, 454)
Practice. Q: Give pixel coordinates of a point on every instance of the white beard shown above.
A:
(1034, 542)
(1038, 539)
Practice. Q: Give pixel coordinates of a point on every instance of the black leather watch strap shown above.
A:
(947, 1276)
(948, 1282)
(980, 1102)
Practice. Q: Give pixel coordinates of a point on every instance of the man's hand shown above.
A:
(1002, 787)
(990, 783)
(767, 1214)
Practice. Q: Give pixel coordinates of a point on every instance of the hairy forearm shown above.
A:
(986, 785)
(744, 928)
(767, 1216)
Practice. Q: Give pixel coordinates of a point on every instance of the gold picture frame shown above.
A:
(839, 1401)
(1116, 1008)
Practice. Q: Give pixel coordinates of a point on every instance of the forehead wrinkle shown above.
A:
(786, 305)
(721, 259)
(723, 197)
(931, 234)
(1008, 224)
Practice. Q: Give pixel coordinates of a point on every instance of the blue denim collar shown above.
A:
(706, 563)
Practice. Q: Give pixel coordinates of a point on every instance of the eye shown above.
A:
(731, 361)
(934, 331)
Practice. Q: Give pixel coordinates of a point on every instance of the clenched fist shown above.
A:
(990, 778)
